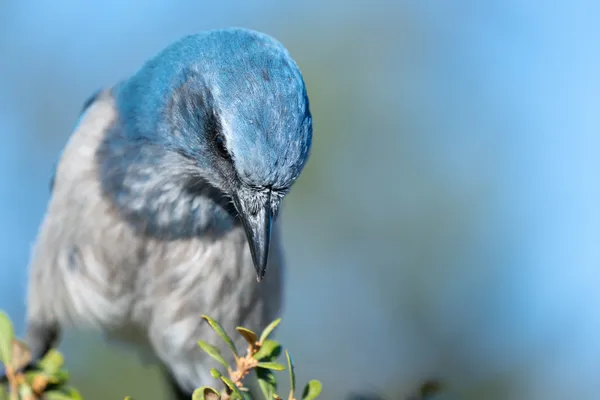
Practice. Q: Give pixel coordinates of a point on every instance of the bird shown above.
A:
(166, 199)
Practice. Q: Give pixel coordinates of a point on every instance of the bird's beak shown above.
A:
(258, 231)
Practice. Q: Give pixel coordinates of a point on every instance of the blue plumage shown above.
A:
(225, 109)
(252, 84)
(165, 197)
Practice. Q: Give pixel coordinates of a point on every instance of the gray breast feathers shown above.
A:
(89, 268)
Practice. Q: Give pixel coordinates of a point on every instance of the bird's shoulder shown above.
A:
(90, 100)
(88, 128)
(76, 197)
(97, 116)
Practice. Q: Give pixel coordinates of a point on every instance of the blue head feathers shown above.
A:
(224, 113)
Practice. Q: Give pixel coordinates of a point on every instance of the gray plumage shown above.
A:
(164, 183)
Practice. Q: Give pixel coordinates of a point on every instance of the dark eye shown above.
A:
(220, 145)
(213, 128)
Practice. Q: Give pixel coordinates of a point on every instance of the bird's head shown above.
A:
(237, 108)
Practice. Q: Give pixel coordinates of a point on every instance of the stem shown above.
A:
(12, 380)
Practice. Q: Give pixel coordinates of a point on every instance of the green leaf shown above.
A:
(6, 336)
(52, 362)
(247, 396)
(271, 365)
(269, 350)
(269, 329)
(213, 351)
(75, 395)
(3, 394)
(266, 382)
(61, 376)
(57, 395)
(67, 393)
(30, 375)
(206, 393)
(250, 336)
(312, 390)
(25, 392)
(233, 387)
(57, 378)
(215, 373)
(290, 364)
(217, 327)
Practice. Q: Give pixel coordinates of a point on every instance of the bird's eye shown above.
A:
(213, 128)
(220, 145)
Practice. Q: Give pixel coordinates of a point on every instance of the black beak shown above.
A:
(258, 231)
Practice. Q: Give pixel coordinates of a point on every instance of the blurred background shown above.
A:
(448, 222)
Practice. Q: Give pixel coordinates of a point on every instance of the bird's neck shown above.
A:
(159, 192)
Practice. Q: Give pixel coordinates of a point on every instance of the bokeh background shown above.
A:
(448, 222)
